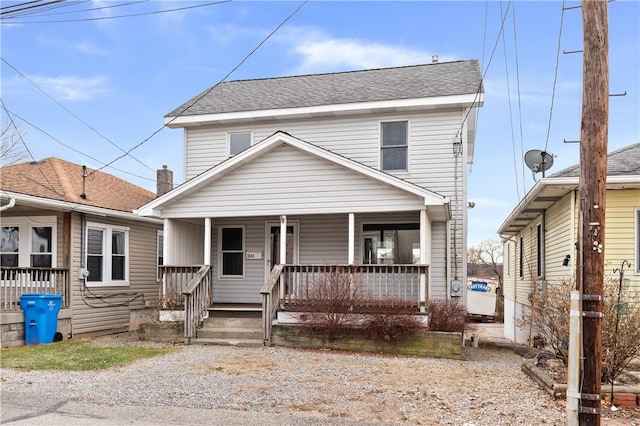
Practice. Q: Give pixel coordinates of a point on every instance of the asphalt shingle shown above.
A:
(622, 162)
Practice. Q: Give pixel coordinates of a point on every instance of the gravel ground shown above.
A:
(487, 388)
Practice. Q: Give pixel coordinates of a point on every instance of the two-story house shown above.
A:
(365, 169)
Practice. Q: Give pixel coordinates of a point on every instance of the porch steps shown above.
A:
(231, 326)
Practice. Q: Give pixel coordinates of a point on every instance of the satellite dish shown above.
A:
(538, 161)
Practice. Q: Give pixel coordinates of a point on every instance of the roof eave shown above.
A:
(464, 100)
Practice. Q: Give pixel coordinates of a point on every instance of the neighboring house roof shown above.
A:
(623, 172)
(374, 85)
(438, 203)
(60, 180)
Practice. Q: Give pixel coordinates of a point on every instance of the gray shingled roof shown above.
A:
(409, 82)
(622, 162)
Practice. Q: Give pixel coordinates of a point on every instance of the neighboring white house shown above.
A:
(357, 168)
(541, 233)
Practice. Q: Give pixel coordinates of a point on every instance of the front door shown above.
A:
(273, 242)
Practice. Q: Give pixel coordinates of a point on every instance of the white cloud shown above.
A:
(71, 88)
(321, 53)
(90, 48)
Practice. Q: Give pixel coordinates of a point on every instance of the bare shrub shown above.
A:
(549, 318)
(447, 315)
(329, 301)
(391, 319)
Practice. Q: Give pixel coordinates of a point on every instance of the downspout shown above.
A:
(447, 257)
(12, 202)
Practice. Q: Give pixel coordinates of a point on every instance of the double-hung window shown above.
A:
(28, 242)
(107, 255)
(394, 145)
(232, 252)
(239, 141)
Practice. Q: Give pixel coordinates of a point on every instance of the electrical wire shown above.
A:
(27, 5)
(101, 18)
(74, 149)
(555, 77)
(515, 46)
(212, 87)
(92, 8)
(72, 113)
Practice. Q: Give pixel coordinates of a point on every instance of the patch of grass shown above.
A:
(74, 355)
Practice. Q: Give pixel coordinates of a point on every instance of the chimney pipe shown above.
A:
(164, 182)
(434, 59)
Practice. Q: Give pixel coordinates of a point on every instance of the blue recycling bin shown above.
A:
(40, 317)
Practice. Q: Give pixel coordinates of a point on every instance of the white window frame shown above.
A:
(243, 251)
(239, 132)
(24, 225)
(381, 148)
(107, 229)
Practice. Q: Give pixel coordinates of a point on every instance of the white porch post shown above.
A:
(167, 254)
(283, 248)
(352, 238)
(207, 241)
(425, 256)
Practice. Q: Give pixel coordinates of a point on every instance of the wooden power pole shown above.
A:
(593, 186)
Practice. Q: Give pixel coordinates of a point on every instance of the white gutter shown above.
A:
(81, 208)
(203, 119)
(12, 202)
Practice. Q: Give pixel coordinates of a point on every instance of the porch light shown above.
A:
(457, 145)
(565, 261)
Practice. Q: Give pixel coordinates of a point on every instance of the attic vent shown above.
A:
(36, 163)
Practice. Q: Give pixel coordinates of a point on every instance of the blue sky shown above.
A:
(117, 78)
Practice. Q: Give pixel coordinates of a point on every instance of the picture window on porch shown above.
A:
(107, 255)
(28, 242)
(232, 252)
(391, 243)
(238, 142)
(394, 143)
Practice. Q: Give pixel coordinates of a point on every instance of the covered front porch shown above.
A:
(246, 263)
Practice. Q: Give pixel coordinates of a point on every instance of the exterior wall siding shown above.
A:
(619, 234)
(308, 182)
(105, 309)
(559, 241)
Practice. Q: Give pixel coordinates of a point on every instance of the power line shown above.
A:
(72, 113)
(46, 8)
(100, 18)
(212, 87)
(555, 78)
(92, 8)
(515, 45)
(70, 147)
(26, 6)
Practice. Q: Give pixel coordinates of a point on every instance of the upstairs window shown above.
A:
(238, 142)
(394, 143)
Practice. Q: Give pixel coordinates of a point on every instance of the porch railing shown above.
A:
(175, 280)
(290, 286)
(196, 301)
(15, 282)
(270, 301)
(399, 282)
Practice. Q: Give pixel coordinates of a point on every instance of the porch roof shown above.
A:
(306, 177)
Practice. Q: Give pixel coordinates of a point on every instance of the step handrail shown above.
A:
(270, 302)
(196, 301)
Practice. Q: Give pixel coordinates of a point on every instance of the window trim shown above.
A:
(380, 146)
(237, 132)
(107, 280)
(539, 251)
(25, 225)
(243, 251)
(521, 258)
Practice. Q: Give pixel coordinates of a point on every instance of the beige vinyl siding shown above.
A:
(558, 241)
(526, 283)
(186, 243)
(620, 233)
(104, 309)
(287, 180)
(438, 268)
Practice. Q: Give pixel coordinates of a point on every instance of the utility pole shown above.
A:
(593, 186)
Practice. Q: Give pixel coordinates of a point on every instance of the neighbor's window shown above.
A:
(238, 142)
(28, 242)
(521, 259)
(394, 144)
(539, 250)
(107, 254)
(232, 251)
(396, 243)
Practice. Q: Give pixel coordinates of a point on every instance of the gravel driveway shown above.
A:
(487, 388)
